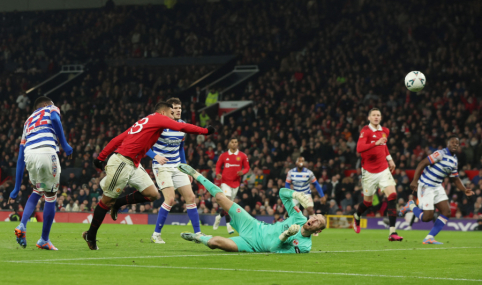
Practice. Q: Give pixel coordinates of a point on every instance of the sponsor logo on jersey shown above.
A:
(54, 165)
(227, 165)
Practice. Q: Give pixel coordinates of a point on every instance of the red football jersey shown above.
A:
(374, 157)
(232, 163)
(138, 139)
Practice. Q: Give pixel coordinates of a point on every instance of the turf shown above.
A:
(126, 256)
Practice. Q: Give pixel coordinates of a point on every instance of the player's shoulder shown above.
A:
(366, 128)
(240, 153)
(309, 171)
(386, 130)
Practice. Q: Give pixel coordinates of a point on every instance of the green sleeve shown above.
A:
(286, 196)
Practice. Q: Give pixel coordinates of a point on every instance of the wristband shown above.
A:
(389, 157)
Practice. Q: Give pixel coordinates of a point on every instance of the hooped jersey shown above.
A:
(300, 180)
(168, 146)
(442, 164)
(38, 129)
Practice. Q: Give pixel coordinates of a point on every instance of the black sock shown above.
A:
(222, 213)
(362, 207)
(412, 220)
(133, 198)
(99, 215)
(228, 218)
(392, 212)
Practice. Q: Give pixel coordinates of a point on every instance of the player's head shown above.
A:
(300, 162)
(165, 109)
(233, 144)
(176, 107)
(42, 101)
(453, 143)
(315, 223)
(375, 116)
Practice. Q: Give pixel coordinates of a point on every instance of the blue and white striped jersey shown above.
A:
(168, 146)
(38, 129)
(300, 180)
(442, 164)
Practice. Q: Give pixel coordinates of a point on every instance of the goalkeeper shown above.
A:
(290, 236)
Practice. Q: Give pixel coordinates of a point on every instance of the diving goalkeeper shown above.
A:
(290, 236)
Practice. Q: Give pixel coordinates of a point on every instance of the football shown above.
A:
(415, 81)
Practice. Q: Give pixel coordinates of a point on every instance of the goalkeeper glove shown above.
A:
(305, 200)
(294, 229)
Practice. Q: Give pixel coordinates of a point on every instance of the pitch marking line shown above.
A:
(236, 254)
(264, 270)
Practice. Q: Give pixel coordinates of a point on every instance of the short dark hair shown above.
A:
(40, 100)
(452, 137)
(233, 138)
(374, 109)
(162, 105)
(174, 101)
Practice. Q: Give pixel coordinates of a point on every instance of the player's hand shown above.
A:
(161, 159)
(99, 164)
(469, 192)
(304, 200)
(68, 151)
(11, 201)
(211, 130)
(391, 165)
(240, 173)
(323, 200)
(294, 229)
(219, 176)
(381, 141)
(414, 186)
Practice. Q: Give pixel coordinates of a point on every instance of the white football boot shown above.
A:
(156, 238)
(229, 228)
(217, 220)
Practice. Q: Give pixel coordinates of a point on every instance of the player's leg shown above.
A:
(370, 184)
(217, 242)
(117, 175)
(441, 203)
(146, 191)
(230, 193)
(387, 184)
(168, 194)
(183, 186)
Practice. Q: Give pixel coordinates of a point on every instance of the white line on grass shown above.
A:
(234, 254)
(263, 270)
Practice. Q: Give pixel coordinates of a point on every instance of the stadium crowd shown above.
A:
(313, 104)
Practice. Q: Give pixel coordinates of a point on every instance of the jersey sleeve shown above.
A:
(286, 196)
(363, 144)
(312, 177)
(166, 123)
(436, 156)
(219, 163)
(112, 145)
(245, 165)
(55, 109)
(288, 177)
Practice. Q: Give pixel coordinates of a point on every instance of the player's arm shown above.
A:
(431, 159)
(279, 245)
(245, 167)
(287, 196)
(363, 143)
(182, 154)
(185, 127)
(288, 180)
(110, 148)
(317, 187)
(161, 159)
(59, 131)
(454, 178)
(19, 171)
(219, 164)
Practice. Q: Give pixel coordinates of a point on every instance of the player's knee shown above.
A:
(169, 201)
(190, 198)
(427, 217)
(446, 213)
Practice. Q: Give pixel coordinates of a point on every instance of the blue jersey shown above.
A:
(442, 164)
(168, 146)
(301, 180)
(38, 129)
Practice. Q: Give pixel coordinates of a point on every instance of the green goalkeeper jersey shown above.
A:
(266, 236)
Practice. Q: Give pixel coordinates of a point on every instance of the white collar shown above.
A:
(373, 129)
(235, 153)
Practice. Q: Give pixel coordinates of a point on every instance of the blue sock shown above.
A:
(439, 224)
(49, 215)
(161, 217)
(418, 213)
(194, 217)
(30, 207)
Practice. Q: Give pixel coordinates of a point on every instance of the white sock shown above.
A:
(228, 224)
(429, 236)
(156, 234)
(412, 206)
(392, 230)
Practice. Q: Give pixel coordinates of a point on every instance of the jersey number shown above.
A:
(137, 127)
(38, 123)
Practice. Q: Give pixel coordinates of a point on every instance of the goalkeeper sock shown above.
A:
(213, 189)
(205, 239)
(30, 206)
(49, 215)
(161, 217)
(392, 211)
(133, 198)
(99, 215)
(418, 213)
(362, 207)
(194, 217)
(439, 224)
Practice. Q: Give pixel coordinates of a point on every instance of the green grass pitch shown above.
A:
(126, 256)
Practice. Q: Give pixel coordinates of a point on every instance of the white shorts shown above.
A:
(229, 191)
(372, 181)
(170, 177)
(43, 168)
(297, 203)
(429, 196)
(121, 171)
